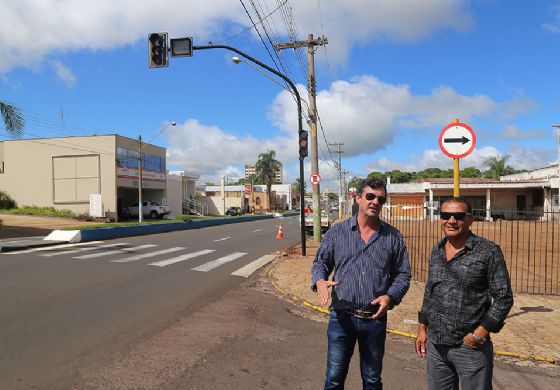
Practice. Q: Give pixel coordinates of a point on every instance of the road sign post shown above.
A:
(457, 140)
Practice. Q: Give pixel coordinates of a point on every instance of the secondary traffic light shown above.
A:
(157, 50)
(302, 144)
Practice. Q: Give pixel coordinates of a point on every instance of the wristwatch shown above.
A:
(479, 340)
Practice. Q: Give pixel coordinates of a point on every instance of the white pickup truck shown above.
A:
(325, 222)
(150, 208)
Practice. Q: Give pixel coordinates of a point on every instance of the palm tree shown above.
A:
(266, 168)
(497, 167)
(13, 119)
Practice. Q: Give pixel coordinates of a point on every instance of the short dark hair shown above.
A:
(455, 199)
(373, 183)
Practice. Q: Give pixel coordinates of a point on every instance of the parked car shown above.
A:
(150, 208)
(325, 222)
(233, 211)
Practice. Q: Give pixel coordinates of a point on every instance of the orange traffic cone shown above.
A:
(280, 234)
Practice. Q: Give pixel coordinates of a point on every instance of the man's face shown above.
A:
(371, 208)
(454, 227)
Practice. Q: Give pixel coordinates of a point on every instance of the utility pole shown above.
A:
(310, 43)
(140, 158)
(345, 191)
(340, 182)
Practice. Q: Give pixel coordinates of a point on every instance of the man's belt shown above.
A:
(367, 314)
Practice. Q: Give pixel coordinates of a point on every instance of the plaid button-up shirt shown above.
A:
(471, 289)
(364, 271)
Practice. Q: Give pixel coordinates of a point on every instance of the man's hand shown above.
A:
(323, 290)
(470, 341)
(383, 301)
(422, 341)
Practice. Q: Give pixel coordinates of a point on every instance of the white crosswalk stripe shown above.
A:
(216, 263)
(248, 270)
(82, 249)
(52, 247)
(107, 253)
(222, 239)
(150, 254)
(177, 259)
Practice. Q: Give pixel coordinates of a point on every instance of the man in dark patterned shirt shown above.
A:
(467, 296)
(371, 275)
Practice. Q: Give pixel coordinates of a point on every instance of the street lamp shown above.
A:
(294, 92)
(140, 162)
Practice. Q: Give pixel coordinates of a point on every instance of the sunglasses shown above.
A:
(459, 216)
(371, 196)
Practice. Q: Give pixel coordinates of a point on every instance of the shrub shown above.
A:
(184, 218)
(84, 217)
(6, 201)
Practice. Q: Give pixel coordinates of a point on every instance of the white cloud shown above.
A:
(353, 22)
(553, 27)
(64, 74)
(512, 132)
(191, 141)
(33, 29)
(366, 113)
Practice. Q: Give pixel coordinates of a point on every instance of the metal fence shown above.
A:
(530, 243)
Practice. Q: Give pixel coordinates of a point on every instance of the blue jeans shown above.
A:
(449, 366)
(343, 331)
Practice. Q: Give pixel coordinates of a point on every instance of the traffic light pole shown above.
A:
(300, 127)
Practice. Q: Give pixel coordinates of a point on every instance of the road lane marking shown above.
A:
(118, 251)
(151, 254)
(222, 239)
(83, 249)
(258, 230)
(52, 247)
(216, 263)
(248, 270)
(177, 259)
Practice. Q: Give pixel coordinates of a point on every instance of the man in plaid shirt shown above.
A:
(468, 295)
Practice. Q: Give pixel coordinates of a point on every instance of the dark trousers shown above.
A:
(449, 366)
(343, 331)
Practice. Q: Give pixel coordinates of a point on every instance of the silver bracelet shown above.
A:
(478, 339)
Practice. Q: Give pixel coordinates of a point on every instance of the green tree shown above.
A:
(266, 168)
(471, 172)
(497, 166)
(13, 119)
(398, 176)
(376, 175)
(355, 182)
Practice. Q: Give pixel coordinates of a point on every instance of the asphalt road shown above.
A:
(61, 310)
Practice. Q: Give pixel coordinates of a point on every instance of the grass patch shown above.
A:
(42, 211)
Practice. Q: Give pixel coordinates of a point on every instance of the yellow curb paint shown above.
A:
(400, 332)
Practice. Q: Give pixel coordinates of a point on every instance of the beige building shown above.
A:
(65, 172)
(250, 170)
(245, 197)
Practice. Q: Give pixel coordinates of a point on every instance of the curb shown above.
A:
(320, 309)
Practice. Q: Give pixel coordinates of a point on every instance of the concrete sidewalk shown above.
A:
(531, 333)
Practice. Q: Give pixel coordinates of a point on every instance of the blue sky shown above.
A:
(393, 74)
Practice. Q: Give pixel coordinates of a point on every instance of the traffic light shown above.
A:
(302, 144)
(157, 50)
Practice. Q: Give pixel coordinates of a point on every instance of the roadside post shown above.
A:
(457, 140)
